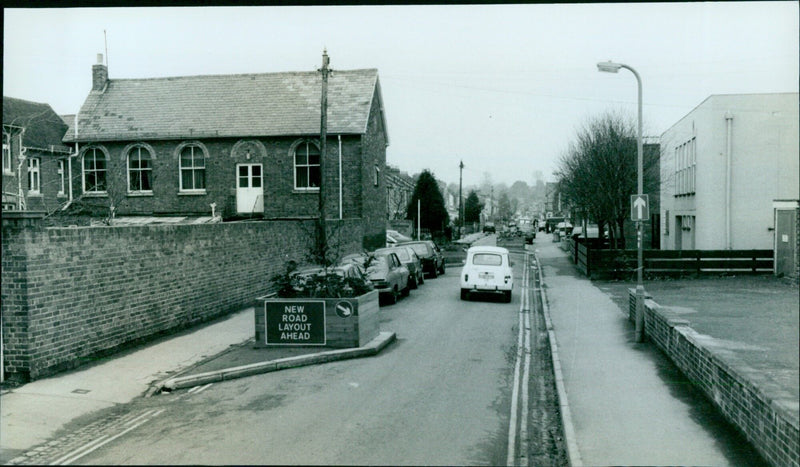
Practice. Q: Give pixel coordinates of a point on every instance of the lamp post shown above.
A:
(611, 67)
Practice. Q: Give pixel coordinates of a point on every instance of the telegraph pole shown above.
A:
(322, 235)
(460, 209)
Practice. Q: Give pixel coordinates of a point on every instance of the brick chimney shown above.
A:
(99, 74)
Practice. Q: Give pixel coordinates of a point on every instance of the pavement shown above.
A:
(627, 403)
(33, 413)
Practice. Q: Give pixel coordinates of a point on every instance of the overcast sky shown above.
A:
(501, 87)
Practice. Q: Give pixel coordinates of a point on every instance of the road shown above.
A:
(456, 388)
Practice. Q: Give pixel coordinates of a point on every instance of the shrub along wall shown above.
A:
(69, 294)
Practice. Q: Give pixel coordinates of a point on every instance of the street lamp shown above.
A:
(611, 67)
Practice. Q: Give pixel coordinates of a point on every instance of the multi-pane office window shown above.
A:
(192, 169)
(140, 170)
(686, 168)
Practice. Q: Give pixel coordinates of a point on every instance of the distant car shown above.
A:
(489, 228)
(429, 255)
(387, 273)
(487, 270)
(410, 260)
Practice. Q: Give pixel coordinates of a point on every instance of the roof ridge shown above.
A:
(26, 101)
(275, 73)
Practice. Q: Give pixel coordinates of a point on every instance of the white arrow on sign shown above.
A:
(639, 204)
(640, 209)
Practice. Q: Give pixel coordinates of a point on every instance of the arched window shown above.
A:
(192, 167)
(306, 167)
(140, 170)
(94, 171)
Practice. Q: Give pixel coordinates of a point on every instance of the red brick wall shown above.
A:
(768, 424)
(69, 294)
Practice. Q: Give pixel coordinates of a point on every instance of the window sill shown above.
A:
(8, 172)
(301, 191)
(96, 194)
(140, 195)
(192, 193)
(61, 195)
(34, 194)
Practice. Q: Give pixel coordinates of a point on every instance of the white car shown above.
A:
(487, 270)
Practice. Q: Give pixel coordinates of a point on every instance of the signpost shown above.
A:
(295, 322)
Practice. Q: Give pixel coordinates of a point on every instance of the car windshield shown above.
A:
(379, 263)
(402, 253)
(420, 248)
(487, 259)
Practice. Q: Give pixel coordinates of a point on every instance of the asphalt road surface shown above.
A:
(453, 390)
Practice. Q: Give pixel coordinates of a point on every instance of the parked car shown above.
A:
(592, 231)
(387, 273)
(410, 260)
(429, 255)
(487, 270)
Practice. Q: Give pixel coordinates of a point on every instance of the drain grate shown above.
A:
(81, 391)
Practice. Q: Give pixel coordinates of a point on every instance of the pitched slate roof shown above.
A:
(268, 104)
(43, 127)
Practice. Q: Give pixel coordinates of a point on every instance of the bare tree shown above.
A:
(597, 174)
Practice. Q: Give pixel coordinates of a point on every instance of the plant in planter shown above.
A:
(322, 304)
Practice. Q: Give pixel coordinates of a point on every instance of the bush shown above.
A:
(323, 284)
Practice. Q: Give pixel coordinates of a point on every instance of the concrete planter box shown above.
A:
(326, 322)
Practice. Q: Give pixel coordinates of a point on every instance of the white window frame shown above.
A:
(7, 169)
(195, 148)
(62, 176)
(307, 166)
(94, 151)
(34, 176)
(377, 180)
(130, 151)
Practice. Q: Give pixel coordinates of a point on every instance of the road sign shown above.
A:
(344, 309)
(640, 208)
(295, 322)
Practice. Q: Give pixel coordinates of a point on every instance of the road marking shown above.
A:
(521, 396)
(103, 440)
(203, 388)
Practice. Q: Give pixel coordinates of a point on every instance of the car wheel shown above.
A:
(434, 272)
(507, 296)
(421, 277)
(413, 283)
(441, 270)
(393, 296)
(406, 291)
(464, 294)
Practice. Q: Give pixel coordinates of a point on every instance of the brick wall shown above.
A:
(280, 198)
(373, 196)
(69, 294)
(770, 424)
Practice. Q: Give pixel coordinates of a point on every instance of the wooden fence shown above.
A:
(595, 262)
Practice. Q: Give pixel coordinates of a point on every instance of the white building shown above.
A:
(722, 167)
